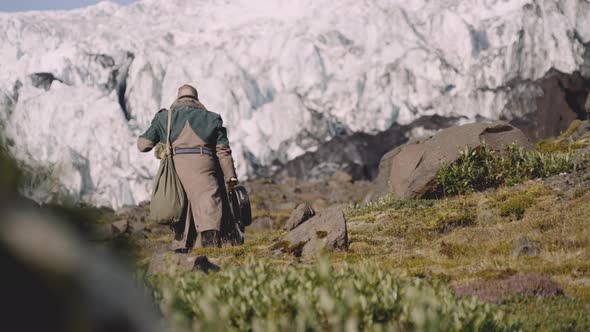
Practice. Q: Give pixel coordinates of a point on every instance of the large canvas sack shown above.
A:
(168, 197)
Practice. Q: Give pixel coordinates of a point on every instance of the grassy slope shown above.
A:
(458, 240)
(414, 240)
(463, 239)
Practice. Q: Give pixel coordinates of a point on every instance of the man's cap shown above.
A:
(187, 91)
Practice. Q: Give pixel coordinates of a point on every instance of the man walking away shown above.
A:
(198, 138)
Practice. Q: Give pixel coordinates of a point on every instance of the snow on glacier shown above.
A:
(285, 75)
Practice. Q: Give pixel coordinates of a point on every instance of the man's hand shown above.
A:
(232, 183)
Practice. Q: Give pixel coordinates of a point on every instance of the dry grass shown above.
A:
(472, 237)
(460, 239)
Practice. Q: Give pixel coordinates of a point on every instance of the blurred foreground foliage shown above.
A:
(262, 297)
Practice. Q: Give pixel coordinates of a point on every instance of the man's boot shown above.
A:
(210, 239)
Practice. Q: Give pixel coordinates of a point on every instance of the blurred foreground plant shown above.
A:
(259, 297)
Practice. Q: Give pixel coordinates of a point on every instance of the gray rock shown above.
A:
(325, 231)
(300, 215)
(526, 247)
(381, 183)
(410, 171)
(169, 263)
(119, 227)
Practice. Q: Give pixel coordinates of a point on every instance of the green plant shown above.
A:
(481, 168)
(384, 203)
(516, 206)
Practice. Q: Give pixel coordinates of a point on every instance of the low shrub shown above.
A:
(481, 168)
(384, 203)
(516, 206)
(446, 221)
(259, 297)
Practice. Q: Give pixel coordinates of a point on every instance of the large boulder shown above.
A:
(325, 231)
(381, 183)
(410, 170)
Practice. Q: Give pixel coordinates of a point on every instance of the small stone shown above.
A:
(325, 231)
(300, 215)
(119, 227)
(526, 247)
(203, 264)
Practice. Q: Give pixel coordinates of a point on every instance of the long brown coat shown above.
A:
(194, 126)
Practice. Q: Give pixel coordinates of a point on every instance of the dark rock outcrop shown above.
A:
(560, 102)
(357, 154)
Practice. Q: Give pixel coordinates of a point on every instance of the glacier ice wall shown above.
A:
(77, 87)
